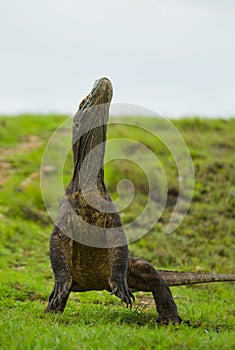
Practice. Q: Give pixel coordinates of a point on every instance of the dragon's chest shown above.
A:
(90, 267)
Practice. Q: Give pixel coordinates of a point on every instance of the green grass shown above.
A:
(204, 241)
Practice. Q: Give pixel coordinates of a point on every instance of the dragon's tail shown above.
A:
(177, 278)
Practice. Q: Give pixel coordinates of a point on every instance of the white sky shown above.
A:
(176, 57)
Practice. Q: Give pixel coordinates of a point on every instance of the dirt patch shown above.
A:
(5, 171)
(31, 143)
(144, 301)
(28, 180)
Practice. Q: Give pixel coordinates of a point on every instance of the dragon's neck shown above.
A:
(89, 138)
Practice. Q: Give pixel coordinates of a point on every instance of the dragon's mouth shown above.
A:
(101, 93)
(93, 105)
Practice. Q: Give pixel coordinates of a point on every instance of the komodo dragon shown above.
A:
(88, 246)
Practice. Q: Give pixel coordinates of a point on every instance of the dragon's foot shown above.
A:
(167, 319)
(121, 290)
(59, 297)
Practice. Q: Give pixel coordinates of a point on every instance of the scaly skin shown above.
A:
(84, 254)
(88, 247)
(177, 278)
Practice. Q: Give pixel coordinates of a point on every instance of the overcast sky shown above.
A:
(176, 57)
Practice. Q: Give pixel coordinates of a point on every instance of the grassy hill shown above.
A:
(204, 241)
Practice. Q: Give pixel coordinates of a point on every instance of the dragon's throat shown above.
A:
(89, 153)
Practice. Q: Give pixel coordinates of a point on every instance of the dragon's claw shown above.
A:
(123, 292)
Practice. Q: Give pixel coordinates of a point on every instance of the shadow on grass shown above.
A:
(91, 316)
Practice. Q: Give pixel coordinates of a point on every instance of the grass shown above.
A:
(95, 320)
